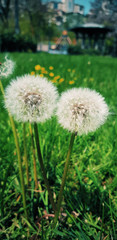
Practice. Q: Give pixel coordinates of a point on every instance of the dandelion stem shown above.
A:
(19, 156)
(63, 180)
(25, 153)
(34, 158)
(20, 165)
(42, 166)
(1, 87)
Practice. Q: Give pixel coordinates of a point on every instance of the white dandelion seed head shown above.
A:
(81, 110)
(7, 67)
(31, 98)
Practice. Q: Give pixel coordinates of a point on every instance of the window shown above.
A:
(55, 5)
(69, 6)
(81, 8)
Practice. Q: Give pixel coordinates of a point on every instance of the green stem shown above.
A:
(34, 158)
(42, 166)
(25, 153)
(1, 87)
(19, 156)
(20, 165)
(63, 180)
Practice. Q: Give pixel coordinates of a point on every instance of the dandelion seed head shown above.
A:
(81, 110)
(6, 68)
(31, 98)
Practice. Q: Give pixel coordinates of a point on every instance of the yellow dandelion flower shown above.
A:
(73, 70)
(51, 68)
(37, 67)
(89, 62)
(42, 69)
(32, 73)
(51, 74)
(71, 82)
(61, 80)
(57, 77)
(41, 75)
(53, 81)
(69, 70)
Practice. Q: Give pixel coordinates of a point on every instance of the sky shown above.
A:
(85, 3)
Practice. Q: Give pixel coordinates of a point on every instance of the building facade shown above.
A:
(63, 8)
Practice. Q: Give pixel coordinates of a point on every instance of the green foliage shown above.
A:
(77, 50)
(12, 43)
(89, 207)
(109, 46)
(73, 20)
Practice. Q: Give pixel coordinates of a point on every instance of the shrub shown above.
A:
(109, 43)
(10, 42)
(77, 50)
(91, 51)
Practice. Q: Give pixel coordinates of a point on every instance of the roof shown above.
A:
(92, 25)
(91, 28)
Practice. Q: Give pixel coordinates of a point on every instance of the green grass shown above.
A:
(90, 196)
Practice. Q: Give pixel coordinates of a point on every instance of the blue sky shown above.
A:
(85, 3)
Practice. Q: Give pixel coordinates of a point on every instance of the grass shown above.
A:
(90, 198)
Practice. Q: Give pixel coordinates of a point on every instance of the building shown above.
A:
(62, 9)
(92, 35)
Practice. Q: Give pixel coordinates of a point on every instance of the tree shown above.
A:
(37, 14)
(31, 17)
(105, 12)
(4, 11)
(73, 20)
(16, 6)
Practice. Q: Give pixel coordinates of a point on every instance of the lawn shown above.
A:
(89, 206)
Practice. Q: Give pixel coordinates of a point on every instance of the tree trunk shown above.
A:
(17, 28)
(4, 12)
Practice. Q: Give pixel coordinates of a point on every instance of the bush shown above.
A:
(10, 42)
(76, 50)
(109, 46)
(91, 51)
